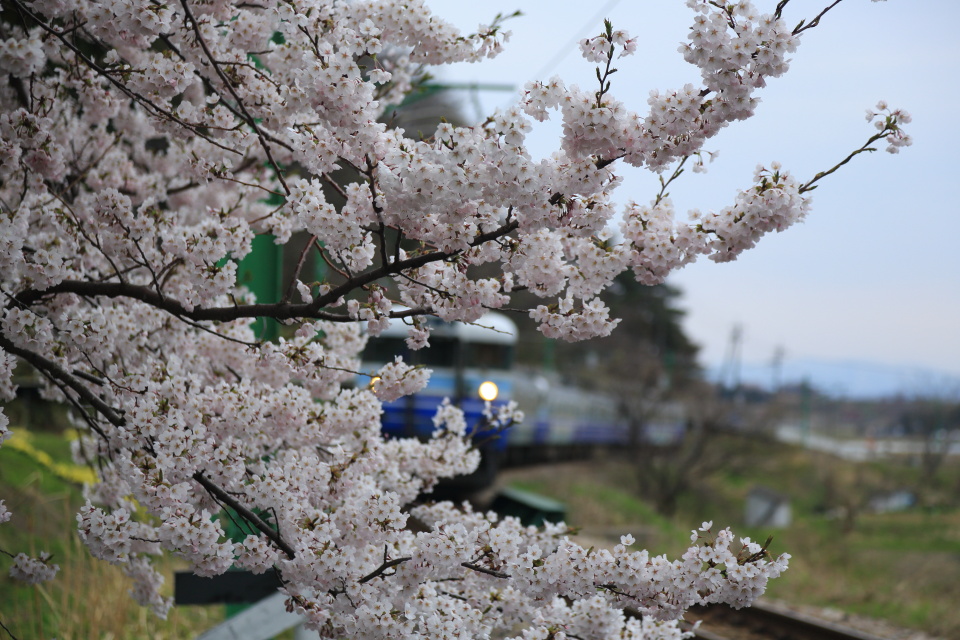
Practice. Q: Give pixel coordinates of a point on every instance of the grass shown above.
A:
(903, 567)
(89, 598)
(599, 509)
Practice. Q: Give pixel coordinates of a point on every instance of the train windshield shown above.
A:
(485, 355)
(442, 352)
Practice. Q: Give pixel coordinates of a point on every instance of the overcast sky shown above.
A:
(873, 275)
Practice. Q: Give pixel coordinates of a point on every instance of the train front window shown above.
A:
(442, 351)
(385, 349)
(484, 355)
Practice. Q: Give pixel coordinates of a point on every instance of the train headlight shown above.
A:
(373, 383)
(488, 391)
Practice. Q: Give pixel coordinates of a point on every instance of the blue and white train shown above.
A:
(473, 364)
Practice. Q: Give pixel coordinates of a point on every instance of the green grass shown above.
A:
(602, 510)
(903, 567)
(89, 598)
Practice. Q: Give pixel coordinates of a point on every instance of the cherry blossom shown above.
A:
(144, 146)
(33, 570)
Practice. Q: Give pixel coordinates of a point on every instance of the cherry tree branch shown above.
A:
(9, 633)
(490, 572)
(800, 28)
(246, 513)
(59, 373)
(379, 571)
(276, 311)
(865, 148)
(298, 269)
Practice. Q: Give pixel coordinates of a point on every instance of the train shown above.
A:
(474, 364)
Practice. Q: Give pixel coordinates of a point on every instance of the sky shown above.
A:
(870, 281)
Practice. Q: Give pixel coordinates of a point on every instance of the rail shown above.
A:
(765, 621)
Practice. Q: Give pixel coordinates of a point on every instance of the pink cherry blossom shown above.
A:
(144, 146)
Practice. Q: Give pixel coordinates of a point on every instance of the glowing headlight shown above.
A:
(488, 391)
(373, 382)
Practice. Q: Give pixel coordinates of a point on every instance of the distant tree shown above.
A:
(649, 347)
(936, 420)
(665, 471)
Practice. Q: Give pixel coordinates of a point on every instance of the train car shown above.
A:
(472, 364)
(562, 421)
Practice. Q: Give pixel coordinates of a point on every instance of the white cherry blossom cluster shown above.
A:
(143, 146)
(659, 244)
(33, 570)
(567, 321)
(21, 57)
(397, 379)
(504, 416)
(601, 48)
(888, 121)
(112, 536)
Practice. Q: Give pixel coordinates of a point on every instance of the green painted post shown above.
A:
(261, 271)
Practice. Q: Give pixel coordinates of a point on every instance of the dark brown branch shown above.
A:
(402, 265)
(61, 374)
(150, 296)
(277, 311)
(489, 572)
(88, 377)
(244, 512)
(3, 626)
(383, 567)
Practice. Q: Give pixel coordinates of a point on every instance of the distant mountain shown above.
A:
(853, 379)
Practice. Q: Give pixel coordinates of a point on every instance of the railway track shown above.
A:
(768, 622)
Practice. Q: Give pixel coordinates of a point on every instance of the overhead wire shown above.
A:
(564, 51)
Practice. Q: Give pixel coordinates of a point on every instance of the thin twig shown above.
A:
(9, 633)
(866, 147)
(251, 121)
(800, 28)
(299, 268)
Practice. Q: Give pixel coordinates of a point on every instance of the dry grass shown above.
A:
(901, 567)
(89, 598)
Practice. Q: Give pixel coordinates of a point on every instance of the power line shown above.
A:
(565, 49)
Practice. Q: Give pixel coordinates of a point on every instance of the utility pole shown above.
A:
(730, 374)
(776, 366)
